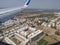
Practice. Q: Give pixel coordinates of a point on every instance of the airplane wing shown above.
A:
(6, 14)
(26, 5)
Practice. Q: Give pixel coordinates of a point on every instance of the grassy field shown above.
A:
(42, 42)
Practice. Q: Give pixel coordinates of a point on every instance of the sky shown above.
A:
(41, 4)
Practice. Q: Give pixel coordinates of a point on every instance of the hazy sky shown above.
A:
(43, 4)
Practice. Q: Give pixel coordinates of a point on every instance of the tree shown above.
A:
(1, 31)
(57, 32)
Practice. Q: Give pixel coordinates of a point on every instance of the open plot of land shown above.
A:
(57, 37)
(47, 30)
(49, 39)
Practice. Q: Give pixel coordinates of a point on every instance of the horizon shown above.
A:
(36, 4)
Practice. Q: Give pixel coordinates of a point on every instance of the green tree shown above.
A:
(1, 31)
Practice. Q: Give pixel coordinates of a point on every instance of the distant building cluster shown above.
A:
(12, 22)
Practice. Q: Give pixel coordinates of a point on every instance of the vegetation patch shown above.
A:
(42, 42)
(1, 31)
